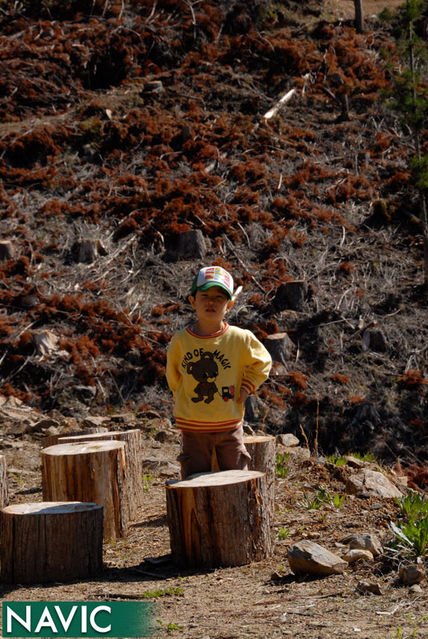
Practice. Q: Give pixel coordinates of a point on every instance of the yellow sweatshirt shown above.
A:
(206, 373)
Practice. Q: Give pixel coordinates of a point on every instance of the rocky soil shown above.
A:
(264, 599)
(135, 148)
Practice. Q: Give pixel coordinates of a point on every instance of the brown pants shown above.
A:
(199, 451)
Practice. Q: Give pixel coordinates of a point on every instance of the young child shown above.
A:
(211, 369)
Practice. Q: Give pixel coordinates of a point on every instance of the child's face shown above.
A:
(210, 305)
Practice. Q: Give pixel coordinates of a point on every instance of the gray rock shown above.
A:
(287, 439)
(364, 541)
(356, 554)
(92, 421)
(354, 462)
(416, 589)
(373, 483)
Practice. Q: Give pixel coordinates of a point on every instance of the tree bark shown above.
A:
(359, 20)
(219, 519)
(4, 492)
(132, 439)
(90, 473)
(262, 449)
(50, 541)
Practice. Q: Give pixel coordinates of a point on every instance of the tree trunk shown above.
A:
(262, 449)
(90, 473)
(359, 20)
(291, 295)
(50, 541)
(4, 493)
(132, 439)
(219, 519)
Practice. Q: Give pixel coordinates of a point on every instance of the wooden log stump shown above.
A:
(132, 439)
(90, 473)
(280, 347)
(262, 449)
(219, 519)
(52, 440)
(291, 295)
(4, 492)
(50, 541)
(7, 250)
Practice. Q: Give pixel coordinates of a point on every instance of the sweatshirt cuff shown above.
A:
(248, 385)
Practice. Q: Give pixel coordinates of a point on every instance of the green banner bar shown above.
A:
(77, 619)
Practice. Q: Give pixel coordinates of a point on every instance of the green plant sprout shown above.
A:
(340, 460)
(170, 627)
(281, 468)
(147, 481)
(161, 592)
(413, 506)
(411, 534)
(283, 533)
(336, 460)
(322, 497)
(412, 537)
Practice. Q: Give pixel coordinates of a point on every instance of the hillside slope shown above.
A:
(134, 148)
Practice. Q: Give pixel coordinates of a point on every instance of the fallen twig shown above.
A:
(276, 107)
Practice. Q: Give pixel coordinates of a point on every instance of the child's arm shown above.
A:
(243, 394)
(257, 365)
(173, 374)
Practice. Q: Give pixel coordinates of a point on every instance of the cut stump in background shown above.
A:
(262, 449)
(91, 473)
(53, 440)
(132, 439)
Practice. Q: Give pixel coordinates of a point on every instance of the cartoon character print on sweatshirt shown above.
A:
(205, 371)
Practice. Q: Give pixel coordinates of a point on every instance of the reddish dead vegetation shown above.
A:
(412, 379)
(90, 147)
(417, 476)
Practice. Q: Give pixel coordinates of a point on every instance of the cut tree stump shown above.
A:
(132, 439)
(291, 295)
(52, 440)
(219, 519)
(90, 473)
(7, 250)
(43, 542)
(4, 492)
(280, 347)
(262, 449)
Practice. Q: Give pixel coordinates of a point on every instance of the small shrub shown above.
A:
(322, 497)
(411, 534)
(283, 533)
(337, 461)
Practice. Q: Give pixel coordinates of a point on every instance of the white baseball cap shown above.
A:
(213, 276)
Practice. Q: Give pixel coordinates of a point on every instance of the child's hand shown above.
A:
(243, 394)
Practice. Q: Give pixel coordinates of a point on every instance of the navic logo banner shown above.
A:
(77, 619)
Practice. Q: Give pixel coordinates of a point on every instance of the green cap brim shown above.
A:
(208, 285)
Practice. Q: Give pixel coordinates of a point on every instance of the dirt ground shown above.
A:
(346, 8)
(260, 600)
